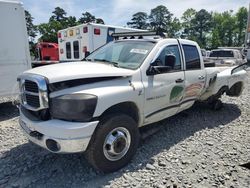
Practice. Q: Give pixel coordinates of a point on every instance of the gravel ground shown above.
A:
(196, 148)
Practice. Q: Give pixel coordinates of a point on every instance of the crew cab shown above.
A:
(99, 104)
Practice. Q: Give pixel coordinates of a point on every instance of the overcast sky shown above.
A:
(119, 12)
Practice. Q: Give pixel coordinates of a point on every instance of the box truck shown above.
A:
(14, 47)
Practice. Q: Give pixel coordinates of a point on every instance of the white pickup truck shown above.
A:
(97, 105)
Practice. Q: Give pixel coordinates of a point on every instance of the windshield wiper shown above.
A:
(115, 64)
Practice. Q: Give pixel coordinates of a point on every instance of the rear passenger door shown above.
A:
(194, 75)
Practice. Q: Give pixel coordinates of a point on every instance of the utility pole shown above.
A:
(247, 36)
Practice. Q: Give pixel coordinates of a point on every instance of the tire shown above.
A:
(99, 152)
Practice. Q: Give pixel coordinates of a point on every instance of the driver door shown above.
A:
(163, 92)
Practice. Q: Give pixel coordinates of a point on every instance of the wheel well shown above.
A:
(235, 90)
(128, 108)
(221, 91)
(216, 96)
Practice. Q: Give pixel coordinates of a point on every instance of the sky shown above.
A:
(119, 12)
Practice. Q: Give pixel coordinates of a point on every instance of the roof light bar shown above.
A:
(139, 33)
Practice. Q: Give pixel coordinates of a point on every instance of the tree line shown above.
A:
(209, 29)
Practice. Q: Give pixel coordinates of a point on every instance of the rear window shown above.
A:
(68, 50)
(50, 46)
(221, 53)
(192, 57)
(76, 49)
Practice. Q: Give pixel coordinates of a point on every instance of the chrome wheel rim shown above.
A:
(116, 144)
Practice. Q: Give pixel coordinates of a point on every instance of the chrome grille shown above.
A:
(33, 93)
(31, 86)
(32, 100)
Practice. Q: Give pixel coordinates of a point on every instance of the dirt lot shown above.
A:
(197, 148)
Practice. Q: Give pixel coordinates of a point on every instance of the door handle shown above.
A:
(201, 77)
(179, 80)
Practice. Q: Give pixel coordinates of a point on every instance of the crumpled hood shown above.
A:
(78, 70)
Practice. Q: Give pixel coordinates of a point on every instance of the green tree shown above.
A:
(32, 32)
(139, 20)
(187, 23)
(57, 21)
(202, 23)
(99, 21)
(215, 39)
(49, 31)
(174, 28)
(59, 14)
(31, 28)
(70, 21)
(160, 19)
(241, 24)
(86, 18)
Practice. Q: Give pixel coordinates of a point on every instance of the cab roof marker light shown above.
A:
(97, 31)
(85, 29)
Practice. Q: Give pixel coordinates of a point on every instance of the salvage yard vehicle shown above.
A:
(46, 54)
(14, 47)
(229, 57)
(75, 43)
(98, 105)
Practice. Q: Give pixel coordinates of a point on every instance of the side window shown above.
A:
(68, 50)
(192, 57)
(170, 50)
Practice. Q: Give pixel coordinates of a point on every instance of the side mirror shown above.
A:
(170, 60)
(157, 68)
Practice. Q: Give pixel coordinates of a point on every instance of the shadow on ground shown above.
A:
(28, 164)
(8, 111)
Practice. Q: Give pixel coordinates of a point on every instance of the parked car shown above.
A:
(98, 105)
(229, 57)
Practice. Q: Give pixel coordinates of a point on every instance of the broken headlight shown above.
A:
(73, 107)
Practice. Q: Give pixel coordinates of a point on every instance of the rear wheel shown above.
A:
(114, 143)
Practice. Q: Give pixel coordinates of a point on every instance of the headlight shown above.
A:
(73, 107)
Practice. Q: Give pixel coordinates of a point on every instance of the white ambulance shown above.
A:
(78, 41)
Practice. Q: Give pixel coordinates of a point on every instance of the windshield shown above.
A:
(124, 54)
(221, 53)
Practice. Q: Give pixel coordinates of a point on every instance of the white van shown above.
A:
(14, 47)
(76, 42)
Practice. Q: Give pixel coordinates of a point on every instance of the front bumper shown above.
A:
(58, 136)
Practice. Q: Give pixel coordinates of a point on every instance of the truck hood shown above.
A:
(78, 70)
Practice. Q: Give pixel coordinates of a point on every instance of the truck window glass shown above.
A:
(126, 54)
(192, 57)
(171, 50)
(76, 49)
(221, 53)
(68, 50)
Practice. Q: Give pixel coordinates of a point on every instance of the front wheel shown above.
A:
(114, 143)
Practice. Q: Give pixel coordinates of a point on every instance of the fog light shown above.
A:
(52, 145)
